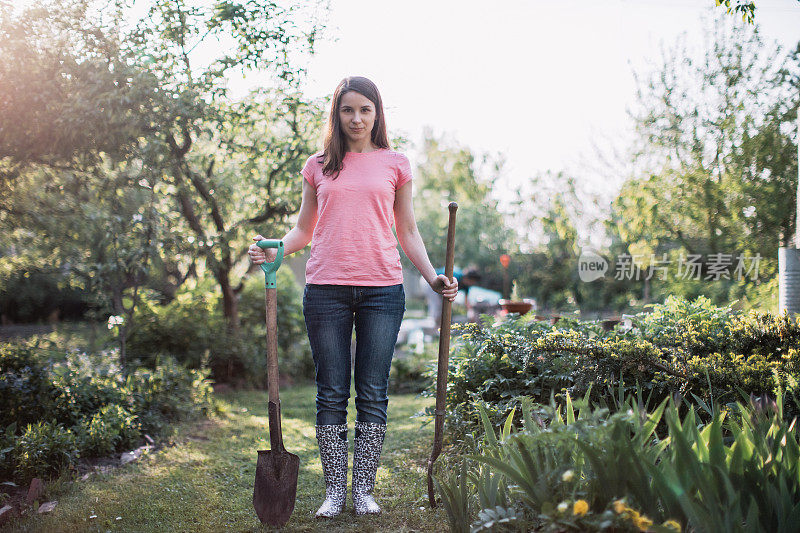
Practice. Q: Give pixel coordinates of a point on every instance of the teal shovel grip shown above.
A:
(271, 269)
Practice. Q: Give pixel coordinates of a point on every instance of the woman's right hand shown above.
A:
(260, 255)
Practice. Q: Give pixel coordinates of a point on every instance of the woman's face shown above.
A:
(356, 116)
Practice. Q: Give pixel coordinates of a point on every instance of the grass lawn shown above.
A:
(205, 482)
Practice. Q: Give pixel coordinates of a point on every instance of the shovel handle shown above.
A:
(444, 353)
(274, 410)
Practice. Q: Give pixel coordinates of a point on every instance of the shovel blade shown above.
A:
(276, 486)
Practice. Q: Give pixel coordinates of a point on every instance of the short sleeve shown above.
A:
(309, 170)
(404, 174)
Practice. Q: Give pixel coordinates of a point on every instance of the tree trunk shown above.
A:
(230, 301)
(123, 338)
(119, 310)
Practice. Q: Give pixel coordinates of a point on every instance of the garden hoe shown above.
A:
(444, 354)
(276, 471)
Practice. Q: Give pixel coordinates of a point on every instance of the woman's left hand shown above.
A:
(443, 286)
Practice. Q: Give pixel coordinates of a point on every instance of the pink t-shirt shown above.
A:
(353, 243)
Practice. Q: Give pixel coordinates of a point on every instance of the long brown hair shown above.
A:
(335, 142)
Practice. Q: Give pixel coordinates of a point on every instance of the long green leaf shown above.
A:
(509, 423)
(488, 430)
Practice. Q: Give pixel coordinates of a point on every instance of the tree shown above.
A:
(715, 163)
(104, 233)
(447, 172)
(71, 166)
(745, 8)
(265, 36)
(142, 102)
(555, 222)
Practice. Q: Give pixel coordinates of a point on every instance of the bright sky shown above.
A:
(539, 80)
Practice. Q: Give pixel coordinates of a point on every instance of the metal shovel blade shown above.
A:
(275, 486)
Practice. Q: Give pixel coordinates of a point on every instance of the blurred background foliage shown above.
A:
(130, 183)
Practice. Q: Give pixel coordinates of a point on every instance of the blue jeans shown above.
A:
(330, 313)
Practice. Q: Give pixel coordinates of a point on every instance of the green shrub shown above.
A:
(413, 372)
(43, 448)
(694, 350)
(184, 328)
(192, 325)
(294, 353)
(87, 404)
(169, 393)
(31, 293)
(25, 390)
(76, 395)
(7, 440)
(499, 363)
(110, 429)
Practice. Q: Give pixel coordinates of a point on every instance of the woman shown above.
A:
(353, 193)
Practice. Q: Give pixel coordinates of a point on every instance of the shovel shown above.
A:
(444, 354)
(276, 470)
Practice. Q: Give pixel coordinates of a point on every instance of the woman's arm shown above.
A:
(412, 245)
(299, 236)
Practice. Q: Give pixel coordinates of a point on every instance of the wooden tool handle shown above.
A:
(444, 326)
(444, 353)
(275, 434)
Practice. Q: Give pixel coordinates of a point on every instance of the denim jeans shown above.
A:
(330, 313)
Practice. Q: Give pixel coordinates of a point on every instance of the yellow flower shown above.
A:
(580, 508)
(568, 476)
(619, 506)
(672, 524)
(642, 522)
